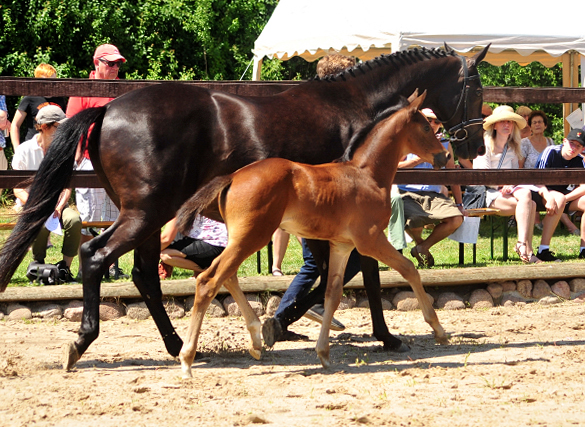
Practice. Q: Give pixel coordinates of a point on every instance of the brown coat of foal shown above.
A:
(346, 203)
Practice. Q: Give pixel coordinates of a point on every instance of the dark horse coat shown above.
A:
(152, 148)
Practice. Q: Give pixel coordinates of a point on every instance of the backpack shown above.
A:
(45, 274)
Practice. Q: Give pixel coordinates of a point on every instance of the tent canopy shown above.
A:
(517, 31)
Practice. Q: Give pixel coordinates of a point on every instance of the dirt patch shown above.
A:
(506, 366)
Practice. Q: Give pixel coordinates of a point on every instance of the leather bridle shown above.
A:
(458, 134)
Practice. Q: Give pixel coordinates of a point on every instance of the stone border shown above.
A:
(482, 296)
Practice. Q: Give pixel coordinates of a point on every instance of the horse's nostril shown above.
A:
(481, 150)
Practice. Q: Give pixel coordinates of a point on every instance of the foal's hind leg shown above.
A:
(252, 322)
(382, 250)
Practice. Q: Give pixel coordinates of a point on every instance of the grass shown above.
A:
(445, 253)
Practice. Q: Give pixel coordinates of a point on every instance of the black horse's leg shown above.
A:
(371, 276)
(146, 279)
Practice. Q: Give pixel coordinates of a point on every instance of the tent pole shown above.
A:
(257, 70)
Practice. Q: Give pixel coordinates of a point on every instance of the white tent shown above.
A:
(524, 32)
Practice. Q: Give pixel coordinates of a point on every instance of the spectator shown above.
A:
(486, 110)
(525, 112)
(503, 151)
(425, 204)
(93, 203)
(206, 240)
(4, 131)
(28, 156)
(30, 105)
(566, 155)
(280, 239)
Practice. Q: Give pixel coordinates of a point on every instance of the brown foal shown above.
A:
(346, 203)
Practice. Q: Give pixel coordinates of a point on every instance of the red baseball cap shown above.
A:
(109, 52)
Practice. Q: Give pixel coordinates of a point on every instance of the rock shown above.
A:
(450, 301)
(509, 299)
(363, 302)
(406, 301)
(579, 300)
(47, 311)
(1, 315)
(540, 289)
(561, 288)
(508, 286)
(137, 311)
(480, 298)
(230, 305)
(272, 305)
(386, 304)
(524, 288)
(174, 308)
(215, 308)
(577, 285)
(495, 290)
(347, 302)
(111, 311)
(549, 300)
(18, 312)
(73, 311)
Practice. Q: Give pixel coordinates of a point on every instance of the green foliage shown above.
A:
(531, 75)
(161, 39)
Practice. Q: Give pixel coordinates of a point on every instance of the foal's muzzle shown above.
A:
(440, 159)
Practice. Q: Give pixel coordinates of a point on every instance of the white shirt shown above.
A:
(28, 155)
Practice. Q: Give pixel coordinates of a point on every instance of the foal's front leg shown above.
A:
(338, 257)
(384, 252)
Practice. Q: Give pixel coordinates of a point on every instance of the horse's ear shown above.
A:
(418, 101)
(479, 56)
(449, 49)
(413, 96)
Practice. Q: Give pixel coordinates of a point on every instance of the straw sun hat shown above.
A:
(504, 112)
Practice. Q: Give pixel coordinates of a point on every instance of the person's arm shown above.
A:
(577, 193)
(455, 189)
(410, 162)
(21, 194)
(168, 234)
(62, 203)
(19, 117)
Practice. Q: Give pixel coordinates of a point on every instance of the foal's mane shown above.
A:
(360, 136)
(397, 59)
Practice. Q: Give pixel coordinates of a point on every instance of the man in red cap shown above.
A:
(93, 203)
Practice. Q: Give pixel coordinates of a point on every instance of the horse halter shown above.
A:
(458, 133)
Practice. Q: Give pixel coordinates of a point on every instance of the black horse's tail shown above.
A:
(205, 199)
(52, 177)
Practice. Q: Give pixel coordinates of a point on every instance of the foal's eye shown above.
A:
(427, 128)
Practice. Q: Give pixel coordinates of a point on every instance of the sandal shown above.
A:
(424, 259)
(164, 270)
(277, 272)
(523, 256)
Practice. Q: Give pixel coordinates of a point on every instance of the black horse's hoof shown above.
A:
(399, 347)
(173, 344)
(271, 331)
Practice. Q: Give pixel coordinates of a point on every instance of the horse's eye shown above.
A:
(479, 91)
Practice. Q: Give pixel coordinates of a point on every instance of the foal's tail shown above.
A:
(52, 177)
(206, 197)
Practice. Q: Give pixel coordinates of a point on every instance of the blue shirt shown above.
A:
(551, 157)
(424, 165)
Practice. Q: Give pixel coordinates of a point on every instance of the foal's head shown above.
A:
(417, 135)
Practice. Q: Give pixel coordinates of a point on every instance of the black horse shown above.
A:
(152, 148)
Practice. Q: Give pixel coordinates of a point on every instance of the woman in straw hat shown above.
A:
(503, 151)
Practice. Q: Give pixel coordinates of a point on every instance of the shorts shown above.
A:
(198, 251)
(540, 203)
(427, 207)
(93, 204)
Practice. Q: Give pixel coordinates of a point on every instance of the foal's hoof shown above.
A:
(70, 356)
(444, 340)
(256, 354)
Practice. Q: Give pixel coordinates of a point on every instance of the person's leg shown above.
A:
(396, 226)
(441, 231)
(550, 222)
(280, 240)
(571, 228)
(579, 205)
(39, 247)
(71, 234)
(524, 213)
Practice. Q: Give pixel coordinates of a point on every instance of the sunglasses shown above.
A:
(111, 64)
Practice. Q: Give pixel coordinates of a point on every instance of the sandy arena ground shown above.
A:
(517, 366)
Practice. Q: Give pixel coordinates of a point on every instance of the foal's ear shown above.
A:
(416, 103)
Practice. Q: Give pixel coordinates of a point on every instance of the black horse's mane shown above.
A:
(398, 59)
(360, 136)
